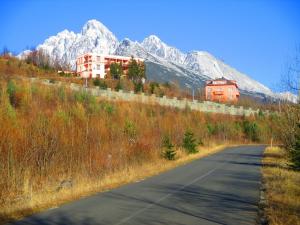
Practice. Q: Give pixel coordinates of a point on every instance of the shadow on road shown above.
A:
(196, 202)
(58, 219)
(228, 196)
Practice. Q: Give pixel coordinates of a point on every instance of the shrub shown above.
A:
(81, 96)
(261, 113)
(130, 129)
(138, 87)
(102, 85)
(96, 82)
(169, 153)
(189, 143)
(15, 97)
(11, 88)
(251, 130)
(51, 81)
(153, 85)
(211, 129)
(295, 150)
(108, 108)
(167, 84)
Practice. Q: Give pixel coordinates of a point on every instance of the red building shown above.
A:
(221, 90)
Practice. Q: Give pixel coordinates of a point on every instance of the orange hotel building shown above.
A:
(92, 65)
(222, 90)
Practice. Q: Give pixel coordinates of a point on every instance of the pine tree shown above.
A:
(121, 69)
(136, 71)
(295, 151)
(169, 152)
(11, 91)
(189, 143)
(133, 70)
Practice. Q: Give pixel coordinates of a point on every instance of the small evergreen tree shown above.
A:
(251, 130)
(136, 71)
(120, 70)
(102, 85)
(11, 91)
(169, 152)
(142, 71)
(189, 143)
(153, 85)
(138, 87)
(295, 150)
(133, 69)
(97, 82)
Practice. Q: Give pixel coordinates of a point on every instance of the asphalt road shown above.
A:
(220, 189)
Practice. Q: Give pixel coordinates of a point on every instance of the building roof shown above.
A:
(110, 56)
(221, 81)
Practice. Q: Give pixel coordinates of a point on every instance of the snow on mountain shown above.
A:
(155, 46)
(131, 48)
(203, 63)
(66, 45)
(163, 62)
(97, 38)
(287, 96)
(206, 64)
(24, 54)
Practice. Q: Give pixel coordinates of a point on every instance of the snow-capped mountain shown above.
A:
(163, 62)
(131, 48)
(160, 69)
(287, 96)
(155, 46)
(205, 63)
(66, 45)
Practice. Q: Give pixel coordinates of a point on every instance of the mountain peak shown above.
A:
(65, 32)
(94, 26)
(156, 46)
(153, 38)
(126, 42)
(201, 53)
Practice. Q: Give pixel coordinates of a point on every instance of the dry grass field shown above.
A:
(282, 188)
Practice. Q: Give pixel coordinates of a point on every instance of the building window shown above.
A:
(98, 58)
(209, 93)
(98, 66)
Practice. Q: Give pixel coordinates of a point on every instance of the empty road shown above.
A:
(219, 189)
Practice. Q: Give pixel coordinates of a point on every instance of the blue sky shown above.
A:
(256, 36)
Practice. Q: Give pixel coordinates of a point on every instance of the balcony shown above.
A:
(218, 92)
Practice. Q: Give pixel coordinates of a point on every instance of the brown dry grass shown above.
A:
(282, 188)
